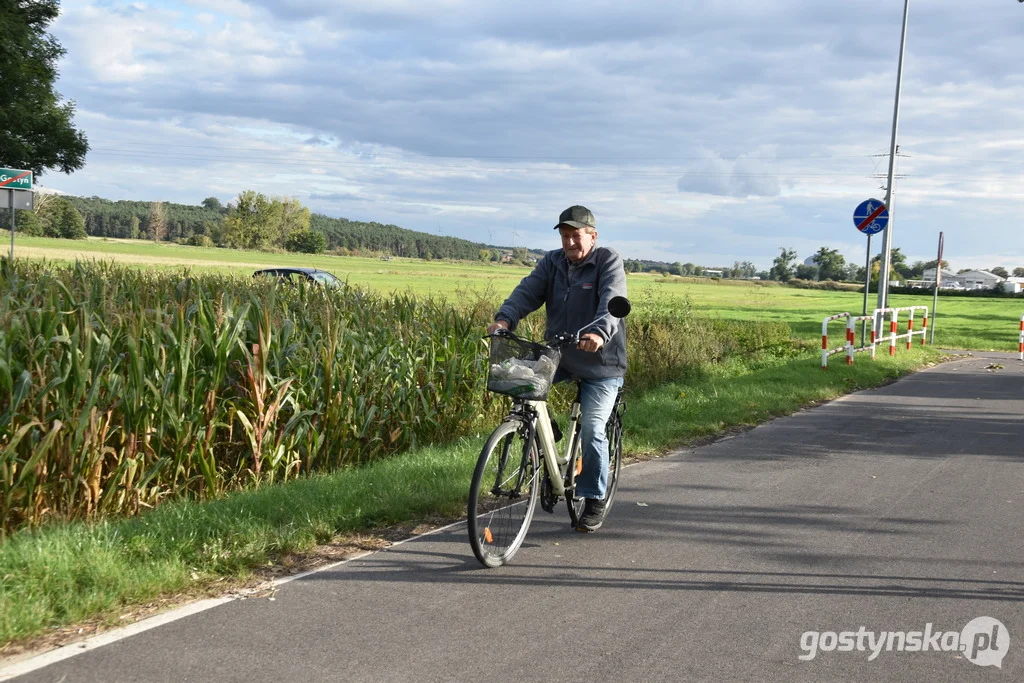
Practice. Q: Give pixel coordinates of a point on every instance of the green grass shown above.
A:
(989, 323)
(63, 574)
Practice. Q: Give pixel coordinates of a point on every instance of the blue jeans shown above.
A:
(597, 398)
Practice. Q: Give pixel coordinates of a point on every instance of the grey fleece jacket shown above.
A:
(575, 295)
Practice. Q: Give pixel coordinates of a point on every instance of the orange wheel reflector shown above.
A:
(487, 535)
(579, 465)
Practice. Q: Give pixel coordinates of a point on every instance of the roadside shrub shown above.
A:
(668, 345)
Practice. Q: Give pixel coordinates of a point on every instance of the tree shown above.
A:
(60, 219)
(876, 266)
(782, 268)
(898, 262)
(213, 204)
(1018, 272)
(292, 216)
(831, 264)
(250, 222)
(37, 128)
(156, 225)
(806, 271)
(485, 254)
(1000, 271)
(932, 264)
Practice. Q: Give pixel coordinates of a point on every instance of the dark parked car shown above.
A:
(294, 275)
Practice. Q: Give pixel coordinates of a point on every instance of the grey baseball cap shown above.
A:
(578, 217)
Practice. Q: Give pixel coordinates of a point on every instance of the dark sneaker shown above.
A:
(592, 517)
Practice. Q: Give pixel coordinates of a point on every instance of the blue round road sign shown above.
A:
(871, 217)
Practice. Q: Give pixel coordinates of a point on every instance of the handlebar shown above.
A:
(557, 342)
(618, 307)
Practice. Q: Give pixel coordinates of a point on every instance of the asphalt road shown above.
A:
(893, 510)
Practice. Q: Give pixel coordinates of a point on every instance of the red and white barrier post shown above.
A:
(851, 336)
(1020, 343)
(910, 325)
(825, 351)
(893, 326)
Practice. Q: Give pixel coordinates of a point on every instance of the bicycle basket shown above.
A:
(521, 368)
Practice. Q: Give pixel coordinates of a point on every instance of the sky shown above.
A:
(701, 131)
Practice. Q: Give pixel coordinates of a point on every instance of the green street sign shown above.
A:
(14, 179)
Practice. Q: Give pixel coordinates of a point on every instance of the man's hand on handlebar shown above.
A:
(590, 342)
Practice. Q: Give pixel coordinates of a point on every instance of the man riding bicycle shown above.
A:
(575, 283)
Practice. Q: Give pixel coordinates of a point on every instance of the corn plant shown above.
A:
(121, 388)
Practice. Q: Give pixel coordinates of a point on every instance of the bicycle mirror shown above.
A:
(619, 306)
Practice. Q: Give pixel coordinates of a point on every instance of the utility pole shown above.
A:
(883, 275)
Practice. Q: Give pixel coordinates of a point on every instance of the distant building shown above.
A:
(978, 279)
(1013, 284)
(929, 275)
(969, 279)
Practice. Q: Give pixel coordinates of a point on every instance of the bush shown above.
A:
(675, 345)
(306, 241)
(25, 222)
(200, 241)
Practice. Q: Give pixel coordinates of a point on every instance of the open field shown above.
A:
(962, 323)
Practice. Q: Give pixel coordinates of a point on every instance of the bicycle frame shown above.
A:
(557, 465)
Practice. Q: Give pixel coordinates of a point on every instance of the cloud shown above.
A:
(735, 127)
(740, 178)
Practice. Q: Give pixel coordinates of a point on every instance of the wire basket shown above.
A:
(521, 368)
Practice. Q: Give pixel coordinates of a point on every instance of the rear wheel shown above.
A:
(504, 493)
(613, 431)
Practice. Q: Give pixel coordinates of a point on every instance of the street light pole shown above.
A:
(883, 274)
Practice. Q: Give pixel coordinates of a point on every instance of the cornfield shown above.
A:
(120, 388)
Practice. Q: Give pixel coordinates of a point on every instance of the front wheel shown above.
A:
(504, 493)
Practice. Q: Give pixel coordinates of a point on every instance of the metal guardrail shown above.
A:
(877, 319)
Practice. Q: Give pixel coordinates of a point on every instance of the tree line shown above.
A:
(829, 264)
(252, 221)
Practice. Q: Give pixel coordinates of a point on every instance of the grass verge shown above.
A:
(67, 574)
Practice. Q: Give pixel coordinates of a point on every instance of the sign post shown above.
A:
(15, 180)
(935, 295)
(883, 275)
(870, 216)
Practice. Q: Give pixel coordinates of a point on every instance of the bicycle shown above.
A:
(520, 462)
